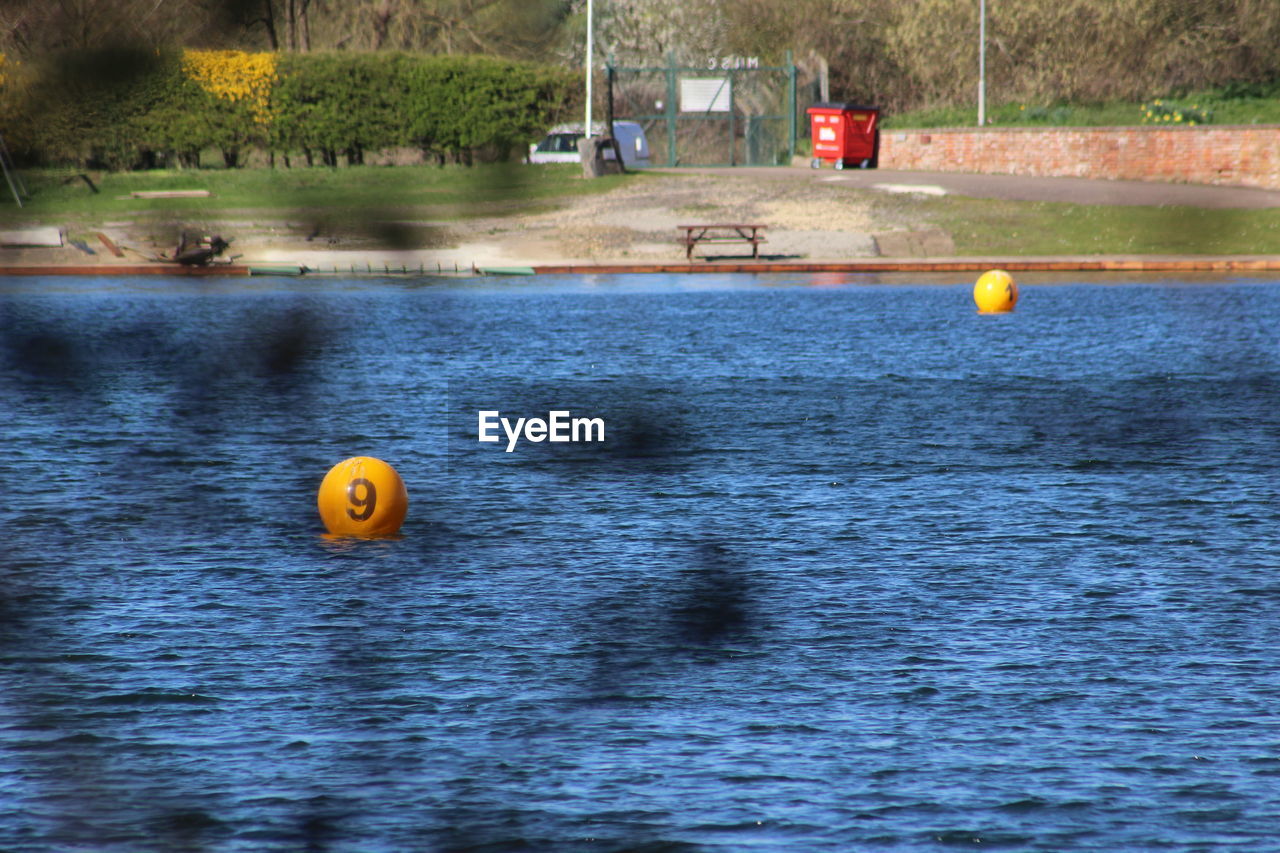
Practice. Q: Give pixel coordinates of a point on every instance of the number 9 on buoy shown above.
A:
(362, 496)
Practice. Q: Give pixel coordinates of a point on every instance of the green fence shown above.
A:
(732, 111)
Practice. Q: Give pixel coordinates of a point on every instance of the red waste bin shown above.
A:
(844, 134)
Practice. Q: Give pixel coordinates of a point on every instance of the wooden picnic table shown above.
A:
(695, 235)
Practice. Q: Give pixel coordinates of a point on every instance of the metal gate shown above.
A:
(732, 111)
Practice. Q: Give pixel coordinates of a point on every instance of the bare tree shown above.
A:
(649, 31)
(34, 27)
(899, 55)
(517, 28)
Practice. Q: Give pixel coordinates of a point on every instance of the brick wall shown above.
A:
(1242, 155)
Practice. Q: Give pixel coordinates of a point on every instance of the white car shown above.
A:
(561, 145)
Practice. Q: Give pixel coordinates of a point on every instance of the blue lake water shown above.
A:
(854, 568)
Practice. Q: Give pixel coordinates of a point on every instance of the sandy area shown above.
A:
(634, 224)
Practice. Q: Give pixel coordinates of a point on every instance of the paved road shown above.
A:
(1020, 188)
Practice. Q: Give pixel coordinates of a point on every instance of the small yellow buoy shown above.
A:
(995, 292)
(362, 496)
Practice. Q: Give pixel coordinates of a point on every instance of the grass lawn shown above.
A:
(1240, 105)
(426, 192)
(995, 227)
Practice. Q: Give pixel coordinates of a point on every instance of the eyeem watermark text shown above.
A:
(558, 427)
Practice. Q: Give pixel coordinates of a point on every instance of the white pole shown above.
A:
(590, 38)
(982, 62)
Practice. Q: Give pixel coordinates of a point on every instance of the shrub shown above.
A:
(122, 109)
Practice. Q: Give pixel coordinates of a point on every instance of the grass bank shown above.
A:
(1258, 104)
(1021, 228)
(355, 193)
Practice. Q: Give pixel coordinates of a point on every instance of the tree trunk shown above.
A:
(382, 24)
(292, 12)
(269, 21)
(306, 25)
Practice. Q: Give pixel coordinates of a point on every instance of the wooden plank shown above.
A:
(701, 240)
(110, 244)
(954, 265)
(723, 225)
(168, 194)
(918, 266)
(122, 269)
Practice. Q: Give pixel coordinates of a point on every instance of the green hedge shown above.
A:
(135, 109)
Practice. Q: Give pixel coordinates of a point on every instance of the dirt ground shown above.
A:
(634, 224)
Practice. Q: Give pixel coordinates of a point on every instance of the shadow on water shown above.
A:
(703, 609)
(179, 389)
(1159, 418)
(270, 352)
(197, 380)
(51, 353)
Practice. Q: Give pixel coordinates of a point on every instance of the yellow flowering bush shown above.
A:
(235, 76)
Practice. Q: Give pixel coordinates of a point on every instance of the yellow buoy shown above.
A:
(995, 292)
(362, 496)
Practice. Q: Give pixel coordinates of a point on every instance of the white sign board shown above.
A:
(705, 95)
(44, 237)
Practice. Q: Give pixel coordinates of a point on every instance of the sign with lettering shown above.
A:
(727, 63)
(706, 95)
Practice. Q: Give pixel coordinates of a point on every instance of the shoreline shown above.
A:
(377, 268)
(860, 221)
